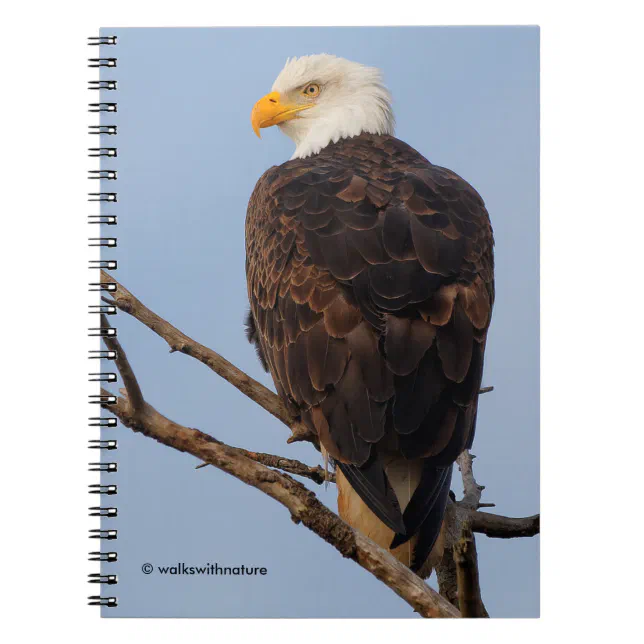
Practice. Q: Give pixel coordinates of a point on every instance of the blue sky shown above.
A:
(467, 99)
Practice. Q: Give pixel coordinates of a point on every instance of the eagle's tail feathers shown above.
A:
(370, 482)
(431, 527)
(425, 505)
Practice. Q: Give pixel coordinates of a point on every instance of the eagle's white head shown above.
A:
(320, 99)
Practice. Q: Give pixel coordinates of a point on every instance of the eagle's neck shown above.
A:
(373, 116)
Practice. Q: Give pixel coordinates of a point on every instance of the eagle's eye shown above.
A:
(311, 90)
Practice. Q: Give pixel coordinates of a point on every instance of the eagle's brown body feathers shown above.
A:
(370, 279)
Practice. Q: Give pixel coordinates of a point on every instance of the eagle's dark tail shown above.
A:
(408, 497)
(424, 514)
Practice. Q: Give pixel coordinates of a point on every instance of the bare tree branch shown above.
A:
(471, 489)
(467, 575)
(446, 568)
(492, 525)
(134, 393)
(500, 527)
(464, 550)
(317, 474)
(460, 514)
(179, 341)
(138, 415)
(303, 505)
(446, 577)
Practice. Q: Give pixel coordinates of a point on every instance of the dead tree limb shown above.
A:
(303, 505)
(500, 527)
(471, 489)
(467, 576)
(465, 556)
(316, 474)
(446, 569)
(490, 524)
(139, 416)
(457, 573)
(134, 393)
(460, 514)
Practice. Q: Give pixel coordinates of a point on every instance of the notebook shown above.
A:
(316, 300)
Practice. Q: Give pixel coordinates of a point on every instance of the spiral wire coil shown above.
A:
(105, 490)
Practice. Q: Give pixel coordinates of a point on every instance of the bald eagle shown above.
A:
(370, 280)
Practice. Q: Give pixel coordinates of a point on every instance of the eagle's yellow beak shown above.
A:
(269, 110)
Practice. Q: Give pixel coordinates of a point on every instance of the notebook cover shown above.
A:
(178, 163)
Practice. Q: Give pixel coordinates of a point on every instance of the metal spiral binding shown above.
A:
(109, 220)
(101, 332)
(100, 354)
(102, 84)
(99, 421)
(101, 40)
(108, 264)
(102, 377)
(102, 196)
(101, 62)
(100, 511)
(97, 600)
(102, 241)
(102, 286)
(97, 578)
(104, 489)
(110, 175)
(103, 467)
(103, 556)
(98, 444)
(102, 309)
(102, 399)
(102, 152)
(97, 488)
(103, 534)
(102, 129)
(102, 107)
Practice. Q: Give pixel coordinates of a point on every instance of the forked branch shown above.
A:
(253, 469)
(303, 505)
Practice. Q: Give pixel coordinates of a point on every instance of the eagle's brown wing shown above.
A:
(370, 279)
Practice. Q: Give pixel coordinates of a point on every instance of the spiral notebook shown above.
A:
(317, 302)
